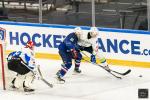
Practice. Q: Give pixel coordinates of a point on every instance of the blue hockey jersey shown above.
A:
(70, 42)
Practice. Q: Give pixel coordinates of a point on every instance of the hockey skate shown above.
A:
(12, 87)
(27, 89)
(77, 70)
(12, 84)
(59, 78)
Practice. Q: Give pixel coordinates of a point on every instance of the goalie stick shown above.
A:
(41, 77)
(40, 73)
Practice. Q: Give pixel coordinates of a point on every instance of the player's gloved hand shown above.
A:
(93, 59)
(74, 53)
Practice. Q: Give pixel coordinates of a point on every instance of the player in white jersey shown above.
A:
(23, 63)
(88, 42)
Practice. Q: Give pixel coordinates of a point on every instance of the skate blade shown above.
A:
(60, 81)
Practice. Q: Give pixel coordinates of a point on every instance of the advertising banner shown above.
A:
(125, 47)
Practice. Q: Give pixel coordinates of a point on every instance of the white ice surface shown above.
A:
(93, 84)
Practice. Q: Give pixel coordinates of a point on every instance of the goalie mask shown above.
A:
(30, 45)
(94, 31)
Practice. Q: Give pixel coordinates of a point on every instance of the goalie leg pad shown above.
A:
(18, 83)
(29, 79)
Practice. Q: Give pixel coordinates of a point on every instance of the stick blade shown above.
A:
(49, 84)
(127, 72)
(41, 77)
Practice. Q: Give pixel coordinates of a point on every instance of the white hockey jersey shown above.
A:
(27, 56)
(31, 54)
(85, 42)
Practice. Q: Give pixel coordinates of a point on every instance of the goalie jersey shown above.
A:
(27, 58)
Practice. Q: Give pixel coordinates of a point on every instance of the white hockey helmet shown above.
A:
(78, 30)
(94, 31)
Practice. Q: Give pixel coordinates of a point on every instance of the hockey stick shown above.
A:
(125, 73)
(41, 77)
(109, 71)
(40, 73)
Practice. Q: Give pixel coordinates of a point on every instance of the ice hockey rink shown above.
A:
(93, 84)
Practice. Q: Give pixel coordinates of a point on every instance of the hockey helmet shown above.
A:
(94, 31)
(30, 45)
(78, 30)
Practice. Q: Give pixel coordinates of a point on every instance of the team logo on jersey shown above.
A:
(2, 33)
(72, 39)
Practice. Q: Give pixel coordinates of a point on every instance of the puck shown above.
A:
(140, 76)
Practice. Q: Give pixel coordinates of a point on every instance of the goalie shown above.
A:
(23, 63)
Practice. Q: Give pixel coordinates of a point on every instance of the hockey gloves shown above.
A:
(74, 53)
(93, 59)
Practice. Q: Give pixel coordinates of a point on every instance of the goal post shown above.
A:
(2, 56)
(2, 66)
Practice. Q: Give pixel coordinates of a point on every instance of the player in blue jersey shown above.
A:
(23, 63)
(68, 51)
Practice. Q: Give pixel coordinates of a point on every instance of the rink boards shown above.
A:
(120, 47)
